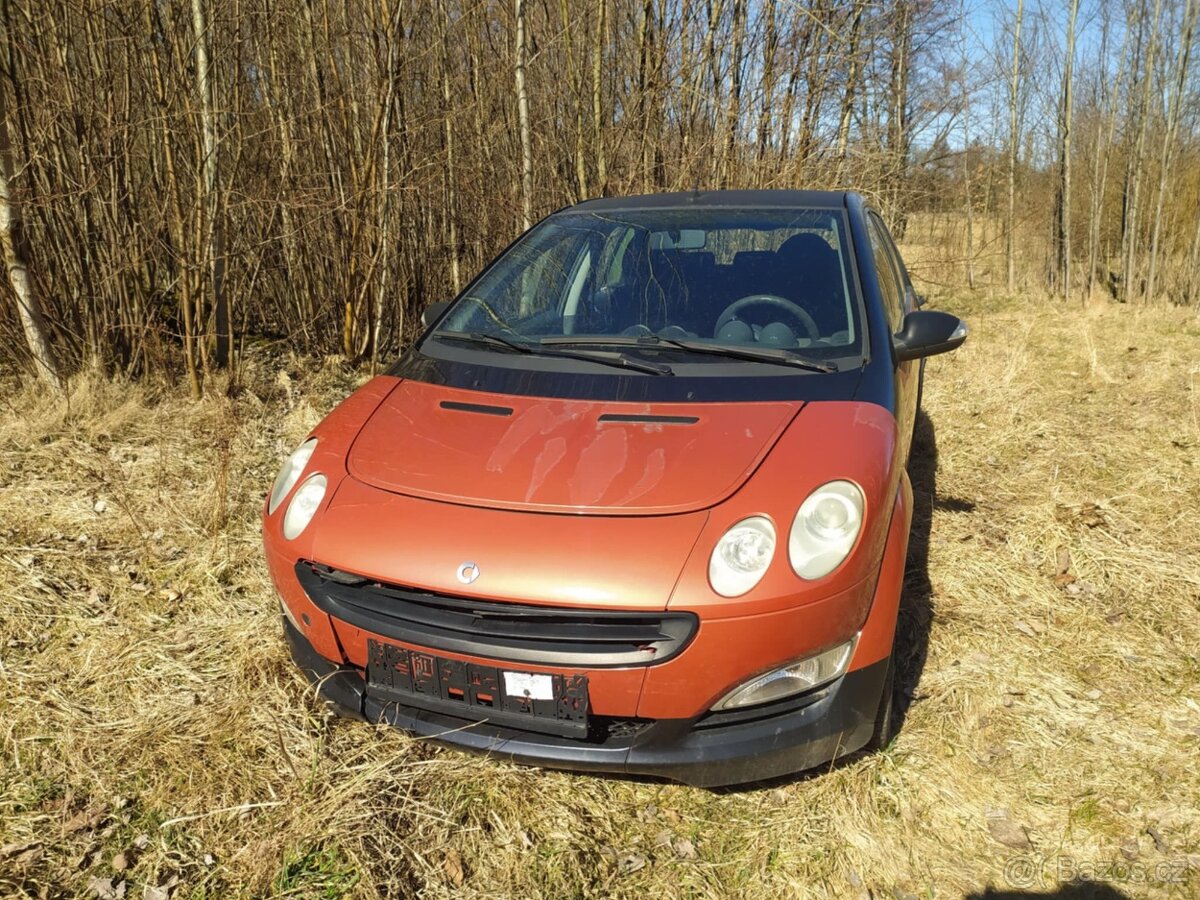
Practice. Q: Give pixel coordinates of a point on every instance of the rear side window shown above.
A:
(890, 284)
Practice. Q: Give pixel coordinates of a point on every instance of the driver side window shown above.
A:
(890, 285)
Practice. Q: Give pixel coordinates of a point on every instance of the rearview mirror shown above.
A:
(927, 332)
(433, 312)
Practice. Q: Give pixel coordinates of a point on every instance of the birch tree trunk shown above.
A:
(450, 173)
(1106, 122)
(1063, 219)
(12, 241)
(523, 120)
(1014, 83)
(1136, 163)
(213, 221)
(1178, 86)
(843, 132)
(598, 97)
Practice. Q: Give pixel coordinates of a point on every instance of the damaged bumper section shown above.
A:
(713, 749)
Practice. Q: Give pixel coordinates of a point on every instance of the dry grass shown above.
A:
(148, 708)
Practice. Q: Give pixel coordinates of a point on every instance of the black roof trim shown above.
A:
(733, 199)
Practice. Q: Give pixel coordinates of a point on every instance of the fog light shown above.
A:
(794, 678)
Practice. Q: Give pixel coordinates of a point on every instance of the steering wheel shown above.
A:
(776, 303)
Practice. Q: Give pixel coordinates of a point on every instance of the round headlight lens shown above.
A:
(741, 556)
(825, 529)
(289, 473)
(303, 506)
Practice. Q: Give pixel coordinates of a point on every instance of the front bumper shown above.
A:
(707, 751)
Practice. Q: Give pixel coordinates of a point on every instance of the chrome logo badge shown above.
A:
(467, 572)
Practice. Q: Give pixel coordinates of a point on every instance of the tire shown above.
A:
(885, 728)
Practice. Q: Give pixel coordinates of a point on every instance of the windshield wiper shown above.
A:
(620, 360)
(491, 340)
(777, 355)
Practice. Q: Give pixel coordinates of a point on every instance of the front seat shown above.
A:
(808, 272)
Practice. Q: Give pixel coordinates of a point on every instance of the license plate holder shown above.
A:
(550, 703)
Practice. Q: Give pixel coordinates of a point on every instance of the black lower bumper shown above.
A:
(706, 752)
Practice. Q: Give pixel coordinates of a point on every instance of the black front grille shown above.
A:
(551, 636)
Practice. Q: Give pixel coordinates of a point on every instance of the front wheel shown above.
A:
(885, 728)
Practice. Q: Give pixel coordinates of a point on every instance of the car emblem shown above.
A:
(467, 572)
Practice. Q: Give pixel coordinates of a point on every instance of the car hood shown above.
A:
(550, 455)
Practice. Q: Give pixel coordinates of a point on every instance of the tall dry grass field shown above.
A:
(155, 740)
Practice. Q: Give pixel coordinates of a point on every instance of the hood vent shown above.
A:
(481, 408)
(649, 419)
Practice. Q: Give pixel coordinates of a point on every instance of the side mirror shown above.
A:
(433, 312)
(927, 332)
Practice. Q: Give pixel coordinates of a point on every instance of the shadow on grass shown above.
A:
(916, 603)
(1082, 890)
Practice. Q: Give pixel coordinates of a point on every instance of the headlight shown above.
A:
(795, 678)
(742, 556)
(303, 506)
(289, 474)
(825, 529)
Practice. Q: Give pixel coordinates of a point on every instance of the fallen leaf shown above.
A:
(104, 889)
(120, 863)
(663, 838)
(630, 863)
(1025, 629)
(100, 506)
(453, 867)
(16, 849)
(86, 820)
(162, 891)
(1130, 849)
(1064, 561)
(1094, 694)
(685, 849)
(1063, 579)
(141, 842)
(1007, 832)
(1159, 844)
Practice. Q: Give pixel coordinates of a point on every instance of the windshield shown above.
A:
(777, 279)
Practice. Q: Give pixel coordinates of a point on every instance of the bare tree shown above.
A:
(12, 240)
(213, 223)
(1063, 210)
(523, 118)
(1014, 83)
(1178, 84)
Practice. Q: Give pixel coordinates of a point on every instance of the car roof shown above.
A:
(732, 199)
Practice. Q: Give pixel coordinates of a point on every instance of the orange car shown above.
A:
(635, 502)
